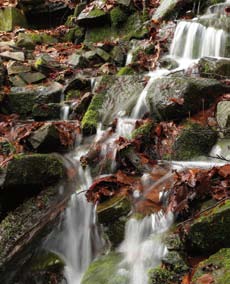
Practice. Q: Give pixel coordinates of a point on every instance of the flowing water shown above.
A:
(142, 247)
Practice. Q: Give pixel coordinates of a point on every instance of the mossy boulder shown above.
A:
(161, 275)
(134, 27)
(11, 17)
(177, 97)
(21, 100)
(22, 233)
(46, 64)
(223, 116)
(104, 271)
(126, 70)
(195, 140)
(216, 268)
(113, 215)
(118, 16)
(210, 231)
(214, 68)
(113, 94)
(94, 17)
(26, 175)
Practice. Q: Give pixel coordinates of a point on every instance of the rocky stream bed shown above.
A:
(114, 142)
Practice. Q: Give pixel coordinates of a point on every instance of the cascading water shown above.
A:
(142, 247)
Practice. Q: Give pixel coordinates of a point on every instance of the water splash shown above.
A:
(143, 247)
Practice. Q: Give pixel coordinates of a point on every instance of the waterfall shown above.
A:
(143, 247)
(192, 41)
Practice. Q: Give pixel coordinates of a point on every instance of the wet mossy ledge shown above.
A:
(27, 175)
(23, 231)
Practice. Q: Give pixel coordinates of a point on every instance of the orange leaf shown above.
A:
(186, 279)
(205, 279)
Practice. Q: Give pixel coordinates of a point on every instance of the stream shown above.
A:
(142, 247)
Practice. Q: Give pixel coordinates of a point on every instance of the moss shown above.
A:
(113, 215)
(194, 140)
(73, 94)
(160, 276)
(210, 231)
(42, 38)
(217, 266)
(143, 130)
(91, 117)
(103, 270)
(45, 259)
(117, 16)
(96, 13)
(74, 34)
(126, 70)
(102, 33)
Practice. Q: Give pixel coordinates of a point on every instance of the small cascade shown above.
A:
(80, 239)
(143, 247)
(193, 40)
(141, 105)
(65, 112)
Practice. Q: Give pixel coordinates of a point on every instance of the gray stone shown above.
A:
(22, 99)
(113, 94)
(95, 16)
(46, 139)
(16, 67)
(223, 116)
(77, 60)
(214, 68)
(17, 55)
(177, 97)
(49, 111)
(32, 77)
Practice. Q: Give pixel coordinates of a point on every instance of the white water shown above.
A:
(143, 247)
(65, 112)
(192, 41)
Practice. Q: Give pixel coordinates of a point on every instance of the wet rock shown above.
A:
(214, 68)
(223, 116)
(50, 111)
(32, 77)
(25, 41)
(81, 107)
(78, 83)
(113, 215)
(195, 140)
(210, 231)
(168, 63)
(46, 140)
(113, 94)
(21, 100)
(160, 275)
(176, 97)
(17, 55)
(31, 172)
(175, 263)
(11, 17)
(216, 269)
(23, 232)
(104, 270)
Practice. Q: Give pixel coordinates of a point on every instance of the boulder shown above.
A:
(50, 111)
(46, 64)
(210, 231)
(214, 68)
(17, 67)
(46, 139)
(172, 98)
(21, 100)
(11, 17)
(215, 269)
(113, 94)
(112, 214)
(22, 234)
(92, 17)
(195, 140)
(223, 116)
(31, 172)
